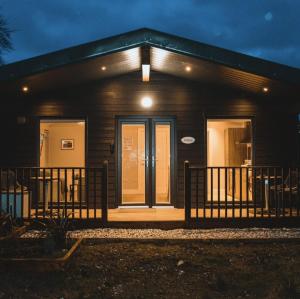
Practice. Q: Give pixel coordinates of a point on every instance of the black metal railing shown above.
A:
(241, 192)
(50, 192)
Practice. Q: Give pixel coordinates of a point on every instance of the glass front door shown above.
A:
(145, 166)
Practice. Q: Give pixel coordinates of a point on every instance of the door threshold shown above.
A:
(133, 207)
(163, 207)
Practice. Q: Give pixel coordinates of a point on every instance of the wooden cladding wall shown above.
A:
(274, 120)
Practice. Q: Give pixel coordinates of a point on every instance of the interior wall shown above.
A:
(216, 140)
(52, 155)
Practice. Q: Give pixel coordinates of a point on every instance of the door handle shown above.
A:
(153, 161)
(147, 161)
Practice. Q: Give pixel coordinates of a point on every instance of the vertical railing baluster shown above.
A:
(51, 192)
(15, 194)
(247, 187)
(205, 175)
(21, 171)
(275, 195)
(233, 192)
(7, 191)
(187, 192)
(241, 191)
(298, 192)
(219, 193)
(211, 191)
(80, 191)
(262, 193)
(257, 179)
(44, 193)
(290, 188)
(37, 192)
(66, 192)
(225, 192)
(95, 187)
(73, 193)
(1, 191)
(269, 194)
(59, 192)
(87, 174)
(283, 188)
(104, 203)
(197, 194)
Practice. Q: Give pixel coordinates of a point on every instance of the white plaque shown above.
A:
(188, 140)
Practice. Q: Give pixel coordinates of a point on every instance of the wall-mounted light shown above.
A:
(145, 53)
(25, 89)
(146, 102)
(103, 68)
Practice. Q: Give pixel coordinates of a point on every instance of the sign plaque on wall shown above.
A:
(188, 140)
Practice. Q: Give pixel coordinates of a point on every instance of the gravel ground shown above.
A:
(207, 234)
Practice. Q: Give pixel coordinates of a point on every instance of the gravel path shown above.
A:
(251, 233)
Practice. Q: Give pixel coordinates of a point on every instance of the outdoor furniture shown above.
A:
(14, 198)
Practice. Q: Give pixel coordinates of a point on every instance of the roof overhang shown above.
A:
(169, 54)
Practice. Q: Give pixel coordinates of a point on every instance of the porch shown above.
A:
(212, 195)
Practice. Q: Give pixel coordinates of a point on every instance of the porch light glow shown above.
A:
(103, 68)
(25, 89)
(146, 72)
(146, 102)
(265, 89)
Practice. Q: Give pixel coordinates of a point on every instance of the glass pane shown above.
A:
(162, 163)
(229, 144)
(133, 163)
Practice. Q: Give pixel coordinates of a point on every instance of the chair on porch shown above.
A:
(287, 194)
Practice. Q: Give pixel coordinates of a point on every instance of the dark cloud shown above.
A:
(268, 29)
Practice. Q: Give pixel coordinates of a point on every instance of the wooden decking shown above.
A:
(162, 214)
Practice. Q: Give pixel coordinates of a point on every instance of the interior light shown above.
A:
(146, 102)
(103, 68)
(146, 72)
(265, 89)
(188, 68)
(25, 89)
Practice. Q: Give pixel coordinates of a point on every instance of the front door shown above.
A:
(145, 161)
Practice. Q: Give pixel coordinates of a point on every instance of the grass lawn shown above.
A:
(165, 269)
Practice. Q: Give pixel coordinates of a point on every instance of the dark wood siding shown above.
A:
(274, 120)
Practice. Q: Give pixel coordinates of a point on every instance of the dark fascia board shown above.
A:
(154, 38)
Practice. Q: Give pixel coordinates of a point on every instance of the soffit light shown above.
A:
(103, 68)
(188, 68)
(25, 88)
(146, 102)
(265, 89)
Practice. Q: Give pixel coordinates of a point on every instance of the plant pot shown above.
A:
(42, 262)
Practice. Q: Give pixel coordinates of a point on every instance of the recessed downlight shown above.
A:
(25, 88)
(265, 89)
(188, 68)
(103, 68)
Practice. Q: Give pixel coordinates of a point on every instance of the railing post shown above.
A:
(187, 191)
(104, 203)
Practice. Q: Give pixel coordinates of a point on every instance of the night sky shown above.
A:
(269, 29)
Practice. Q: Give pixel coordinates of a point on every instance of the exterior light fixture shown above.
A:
(103, 68)
(146, 72)
(145, 53)
(265, 89)
(25, 89)
(146, 102)
(188, 68)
